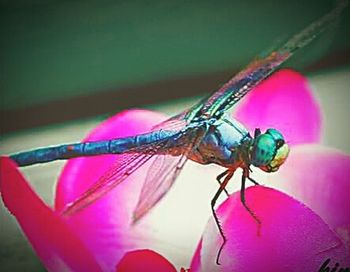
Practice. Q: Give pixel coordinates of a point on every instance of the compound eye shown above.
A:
(279, 143)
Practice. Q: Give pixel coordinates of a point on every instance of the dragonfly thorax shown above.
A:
(223, 144)
(269, 150)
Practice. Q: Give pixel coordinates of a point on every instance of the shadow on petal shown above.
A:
(53, 241)
(292, 237)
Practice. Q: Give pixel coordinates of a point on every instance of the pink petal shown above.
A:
(104, 225)
(196, 259)
(144, 260)
(292, 237)
(319, 177)
(53, 241)
(285, 102)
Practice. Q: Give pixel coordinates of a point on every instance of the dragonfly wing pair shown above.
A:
(160, 177)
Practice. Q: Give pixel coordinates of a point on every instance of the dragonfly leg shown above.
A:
(219, 177)
(243, 200)
(253, 180)
(246, 173)
(213, 202)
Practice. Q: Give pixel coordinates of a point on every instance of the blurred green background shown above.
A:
(80, 60)
(56, 51)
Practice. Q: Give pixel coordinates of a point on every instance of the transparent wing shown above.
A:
(118, 172)
(259, 69)
(181, 120)
(124, 167)
(175, 123)
(158, 185)
(161, 176)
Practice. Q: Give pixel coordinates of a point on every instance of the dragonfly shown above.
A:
(204, 133)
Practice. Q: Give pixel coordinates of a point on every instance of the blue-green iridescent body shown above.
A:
(223, 144)
(204, 133)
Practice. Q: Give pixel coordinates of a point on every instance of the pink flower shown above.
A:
(297, 234)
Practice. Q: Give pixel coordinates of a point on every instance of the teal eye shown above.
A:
(269, 150)
(276, 135)
(263, 150)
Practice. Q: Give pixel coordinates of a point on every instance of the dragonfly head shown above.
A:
(269, 150)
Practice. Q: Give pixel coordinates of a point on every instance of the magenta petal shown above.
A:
(285, 102)
(196, 258)
(292, 237)
(104, 225)
(318, 176)
(144, 260)
(53, 241)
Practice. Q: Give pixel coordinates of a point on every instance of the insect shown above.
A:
(204, 133)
